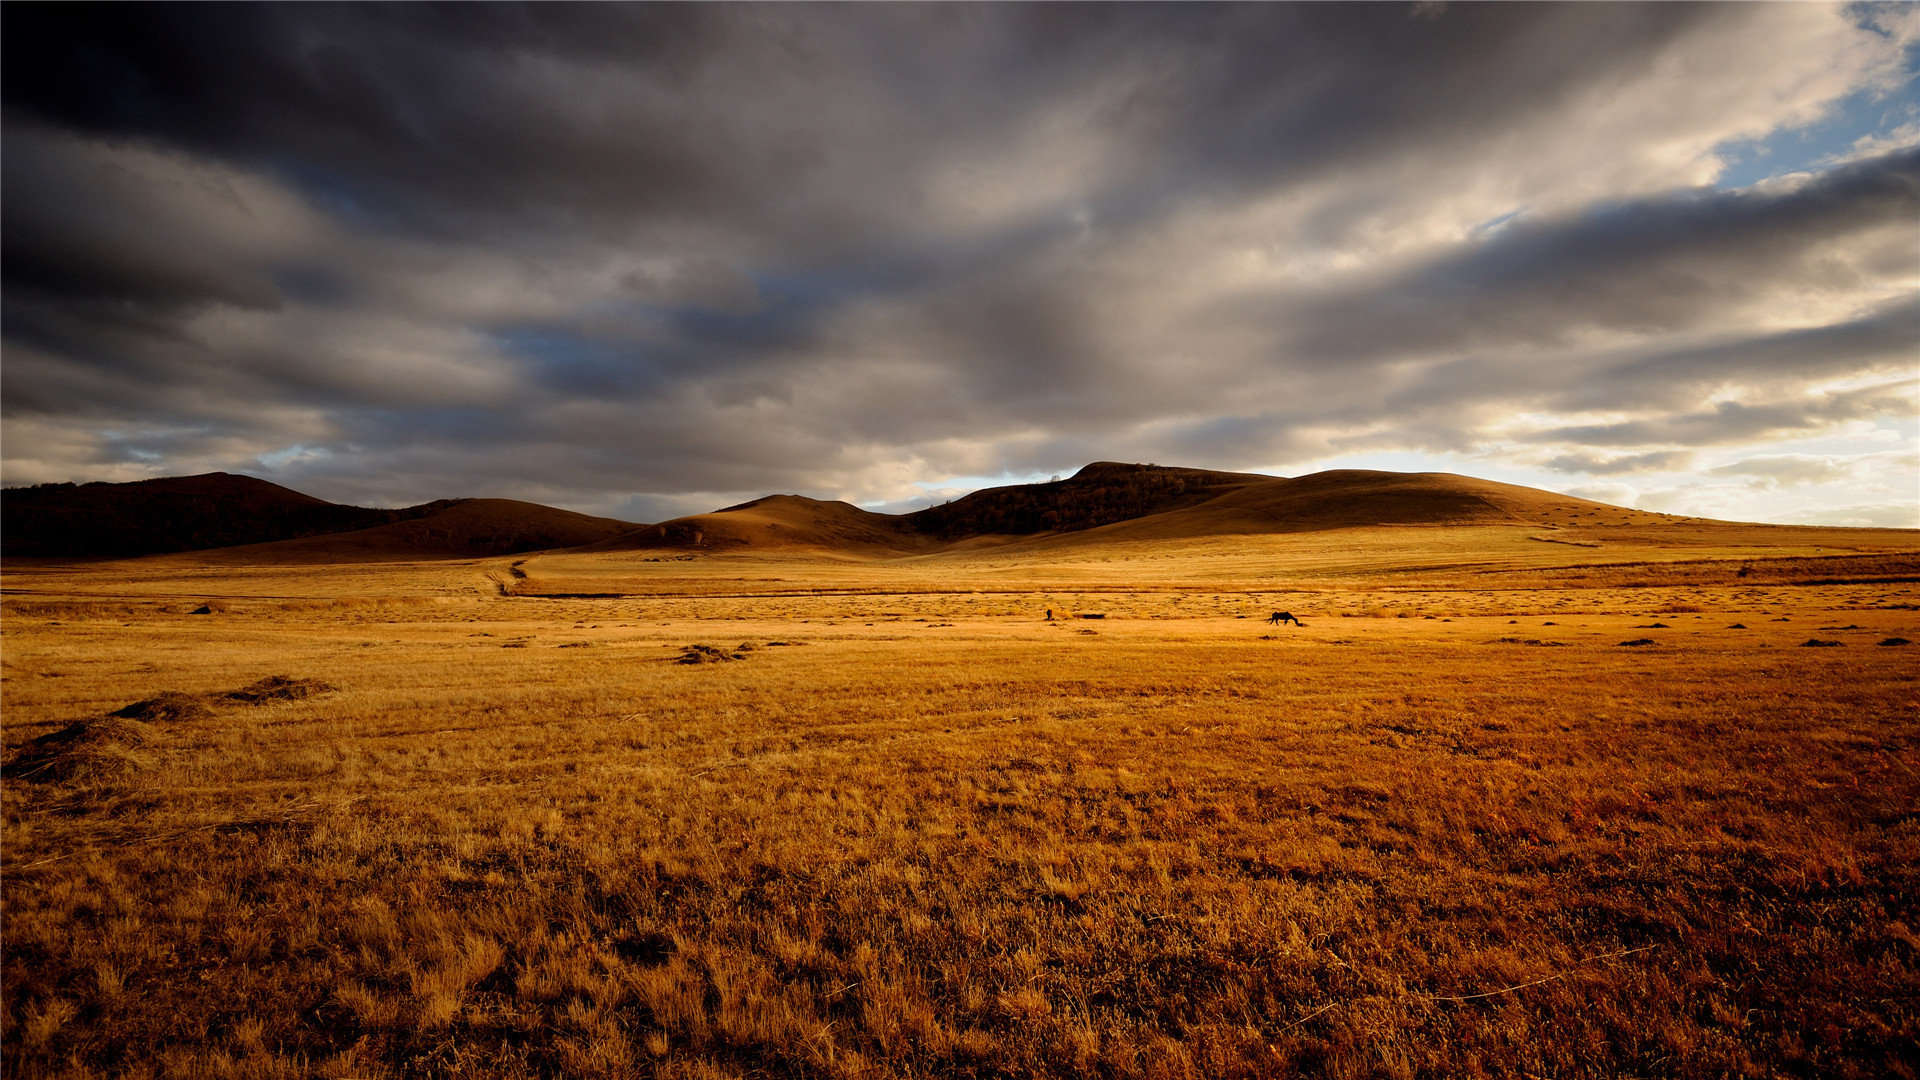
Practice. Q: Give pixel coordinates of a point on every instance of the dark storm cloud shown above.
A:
(463, 115)
(1881, 341)
(1648, 265)
(1733, 421)
(599, 252)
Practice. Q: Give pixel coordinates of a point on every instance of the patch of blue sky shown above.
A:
(332, 193)
(1866, 114)
(1493, 225)
(321, 286)
(822, 287)
(566, 359)
(786, 306)
(975, 483)
(296, 452)
(954, 487)
(134, 446)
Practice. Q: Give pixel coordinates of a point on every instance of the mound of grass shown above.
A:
(707, 654)
(1639, 641)
(1816, 643)
(1896, 641)
(102, 749)
(279, 688)
(169, 705)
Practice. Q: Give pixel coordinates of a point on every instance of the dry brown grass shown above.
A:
(947, 838)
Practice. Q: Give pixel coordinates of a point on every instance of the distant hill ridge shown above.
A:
(1103, 493)
(1116, 501)
(228, 511)
(1104, 501)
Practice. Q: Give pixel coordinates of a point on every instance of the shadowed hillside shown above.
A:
(261, 521)
(181, 513)
(1100, 494)
(1346, 498)
(447, 528)
(782, 521)
(1106, 501)
(1112, 501)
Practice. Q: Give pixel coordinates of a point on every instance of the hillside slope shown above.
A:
(1106, 501)
(249, 519)
(1347, 498)
(782, 522)
(179, 513)
(446, 529)
(1109, 501)
(1103, 493)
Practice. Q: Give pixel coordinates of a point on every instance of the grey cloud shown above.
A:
(1624, 464)
(510, 116)
(1883, 339)
(1650, 265)
(1904, 514)
(1733, 421)
(86, 222)
(1664, 376)
(1789, 470)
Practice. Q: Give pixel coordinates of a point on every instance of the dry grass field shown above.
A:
(501, 818)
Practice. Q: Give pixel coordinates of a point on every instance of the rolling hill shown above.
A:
(1113, 501)
(1103, 493)
(177, 513)
(254, 519)
(782, 522)
(450, 528)
(1348, 498)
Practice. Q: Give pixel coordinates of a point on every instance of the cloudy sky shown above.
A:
(650, 260)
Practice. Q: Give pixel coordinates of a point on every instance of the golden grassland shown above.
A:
(902, 825)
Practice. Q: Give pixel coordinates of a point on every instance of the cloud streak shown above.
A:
(630, 258)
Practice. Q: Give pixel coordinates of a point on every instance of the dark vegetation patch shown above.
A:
(1639, 641)
(1816, 643)
(102, 749)
(279, 688)
(1896, 641)
(108, 747)
(185, 513)
(707, 654)
(1100, 494)
(168, 705)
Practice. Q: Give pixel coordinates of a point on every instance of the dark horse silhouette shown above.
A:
(1283, 617)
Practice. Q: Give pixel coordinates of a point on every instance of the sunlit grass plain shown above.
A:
(1451, 826)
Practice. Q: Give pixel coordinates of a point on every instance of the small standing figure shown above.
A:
(1282, 617)
(1049, 614)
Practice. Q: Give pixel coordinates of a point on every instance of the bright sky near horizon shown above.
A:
(646, 260)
